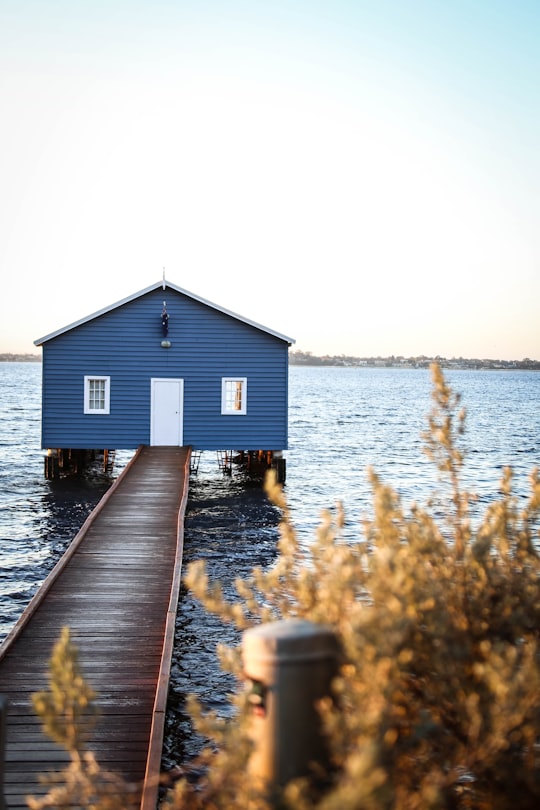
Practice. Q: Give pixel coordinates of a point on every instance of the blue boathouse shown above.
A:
(163, 367)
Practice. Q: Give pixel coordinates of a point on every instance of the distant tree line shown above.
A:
(20, 358)
(298, 358)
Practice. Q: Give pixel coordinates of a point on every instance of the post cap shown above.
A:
(289, 641)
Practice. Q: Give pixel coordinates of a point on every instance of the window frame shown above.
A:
(226, 398)
(88, 378)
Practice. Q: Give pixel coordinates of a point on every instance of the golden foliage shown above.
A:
(437, 700)
(69, 699)
(68, 712)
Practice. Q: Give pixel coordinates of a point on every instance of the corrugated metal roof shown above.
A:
(156, 286)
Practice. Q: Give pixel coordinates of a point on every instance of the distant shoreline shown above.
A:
(20, 358)
(308, 359)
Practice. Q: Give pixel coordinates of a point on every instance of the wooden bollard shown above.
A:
(3, 713)
(289, 666)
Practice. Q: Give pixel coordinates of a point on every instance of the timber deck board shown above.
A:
(114, 593)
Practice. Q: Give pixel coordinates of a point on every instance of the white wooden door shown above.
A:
(166, 427)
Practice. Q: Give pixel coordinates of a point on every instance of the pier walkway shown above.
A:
(116, 588)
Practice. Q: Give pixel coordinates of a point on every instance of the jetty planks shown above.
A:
(116, 588)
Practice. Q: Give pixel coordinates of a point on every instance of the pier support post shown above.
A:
(280, 466)
(51, 465)
(290, 665)
(3, 713)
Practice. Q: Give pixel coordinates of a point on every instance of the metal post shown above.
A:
(290, 664)
(3, 713)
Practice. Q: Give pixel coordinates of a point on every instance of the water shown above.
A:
(342, 420)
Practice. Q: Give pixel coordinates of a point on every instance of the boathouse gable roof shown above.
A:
(164, 286)
(206, 351)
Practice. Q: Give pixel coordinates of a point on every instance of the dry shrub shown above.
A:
(68, 712)
(437, 699)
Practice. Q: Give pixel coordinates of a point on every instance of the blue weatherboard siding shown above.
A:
(125, 344)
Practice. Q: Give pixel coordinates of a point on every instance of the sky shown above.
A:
(363, 177)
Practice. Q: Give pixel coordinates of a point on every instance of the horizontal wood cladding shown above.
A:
(125, 345)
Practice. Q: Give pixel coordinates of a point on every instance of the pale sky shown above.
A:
(361, 176)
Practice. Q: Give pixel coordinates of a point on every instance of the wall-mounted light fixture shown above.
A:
(165, 344)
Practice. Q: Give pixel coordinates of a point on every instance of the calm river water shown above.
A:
(341, 420)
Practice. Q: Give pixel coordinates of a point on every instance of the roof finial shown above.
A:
(163, 278)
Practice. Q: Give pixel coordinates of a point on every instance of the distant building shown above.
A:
(165, 367)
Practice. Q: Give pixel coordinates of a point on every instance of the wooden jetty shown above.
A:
(116, 588)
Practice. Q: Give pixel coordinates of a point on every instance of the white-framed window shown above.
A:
(234, 395)
(96, 394)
